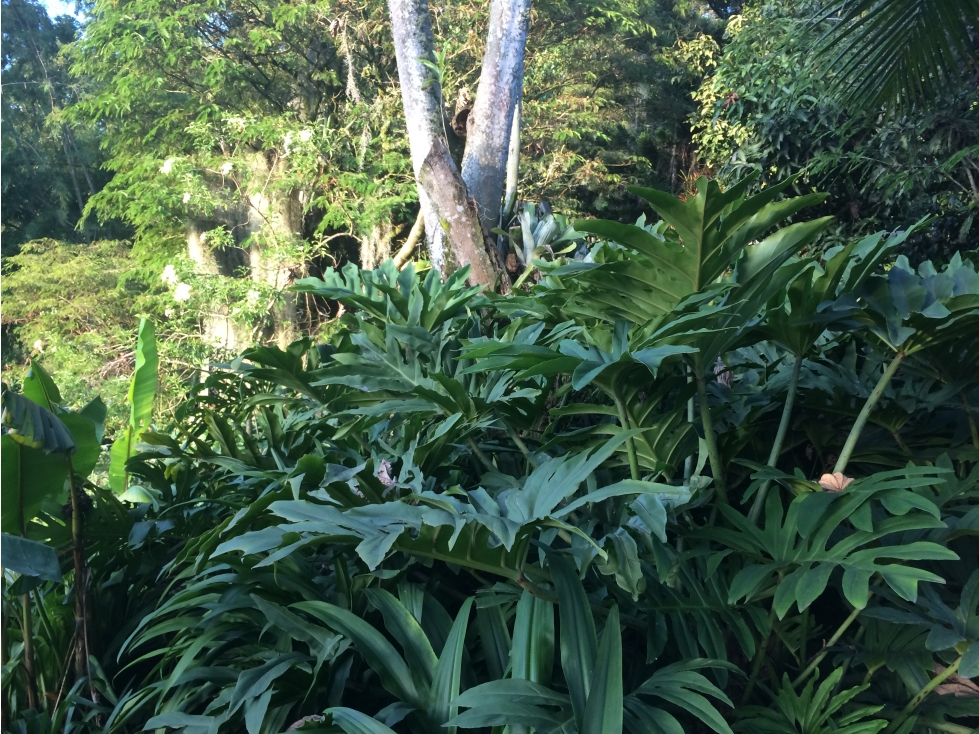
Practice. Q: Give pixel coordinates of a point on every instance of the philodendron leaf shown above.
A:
(30, 558)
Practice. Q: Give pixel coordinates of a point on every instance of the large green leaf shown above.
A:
(354, 722)
(448, 673)
(408, 632)
(603, 712)
(713, 228)
(30, 478)
(31, 558)
(35, 426)
(579, 644)
(142, 393)
(532, 651)
(142, 389)
(377, 651)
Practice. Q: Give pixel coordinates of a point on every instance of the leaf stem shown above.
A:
(630, 444)
(760, 655)
(923, 693)
(972, 421)
(28, 633)
(864, 416)
(824, 651)
(77, 552)
(515, 437)
(484, 460)
(708, 425)
(783, 428)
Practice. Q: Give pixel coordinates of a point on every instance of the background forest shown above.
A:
(704, 457)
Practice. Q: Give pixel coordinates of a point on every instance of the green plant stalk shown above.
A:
(483, 458)
(826, 647)
(515, 437)
(972, 422)
(29, 668)
(688, 462)
(708, 425)
(26, 626)
(630, 445)
(759, 657)
(923, 694)
(864, 416)
(77, 552)
(4, 659)
(783, 428)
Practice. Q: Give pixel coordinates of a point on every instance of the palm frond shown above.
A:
(896, 53)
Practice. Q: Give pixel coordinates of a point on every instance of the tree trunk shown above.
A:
(421, 96)
(273, 228)
(498, 96)
(219, 329)
(376, 247)
(441, 179)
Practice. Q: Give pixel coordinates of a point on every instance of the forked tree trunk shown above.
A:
(421, 96)
(484, 166)
(444, 193)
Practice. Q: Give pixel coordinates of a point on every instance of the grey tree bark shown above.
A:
(421, 96)
(484, 165)
(272, 223)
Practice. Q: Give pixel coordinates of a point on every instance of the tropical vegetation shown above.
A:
(654, 443)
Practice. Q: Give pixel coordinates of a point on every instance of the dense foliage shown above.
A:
(266, 470)
(559, 510)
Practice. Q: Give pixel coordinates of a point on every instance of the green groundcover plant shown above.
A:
(700, 476)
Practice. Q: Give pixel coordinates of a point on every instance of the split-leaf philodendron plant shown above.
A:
(699, 474)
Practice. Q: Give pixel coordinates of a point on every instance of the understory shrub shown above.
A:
(700, 476)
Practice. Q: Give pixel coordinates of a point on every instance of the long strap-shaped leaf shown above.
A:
(407, 631)
(448, 672)
(377, 651)
(578, 638)
(603, 713)
(354, 722)
(532, 652)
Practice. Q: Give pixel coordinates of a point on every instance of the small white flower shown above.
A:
(186, 198)
(167, 166)
(169, 275)
(181, 293)
(39, 345)
(305, 135)
(253, 297)
(286, 142)
(226, 168)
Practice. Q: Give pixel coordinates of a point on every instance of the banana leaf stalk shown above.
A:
(783, 428)
(81, 580)
(28, 633)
